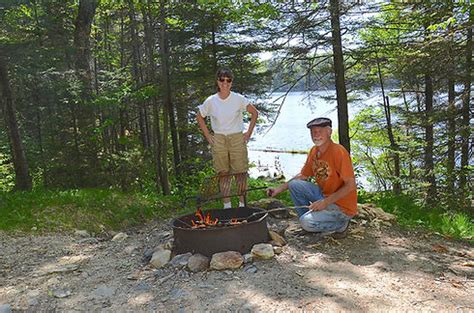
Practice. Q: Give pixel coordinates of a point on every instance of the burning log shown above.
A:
(206, 220)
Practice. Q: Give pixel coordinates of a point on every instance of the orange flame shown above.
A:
(206, 220)
(203, 220)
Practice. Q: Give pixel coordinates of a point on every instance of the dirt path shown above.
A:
(371, 270)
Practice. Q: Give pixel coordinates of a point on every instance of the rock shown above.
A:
(130, 249)
(53, 281)
(168, 245)
(271, 203)
(143, 286)
(32, 298)
(370, 212)
(198, 262)
(120, 237)
(263, 251)
(103, 292)
(161, 272)
(32, 302)
(248, 258)
(178, 294)
(90, 240)
(226, 260)
(61, 293)
(279, 240)
(160, 258)
(250, 269)
(147, 254)
(5, 308)
(135, 275)
(277, 250)
(165, 235)
(294, 230)
(182, 274)
(58, 268)
(81, 233)
(181, 260)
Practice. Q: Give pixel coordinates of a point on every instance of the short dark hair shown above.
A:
(224, 72)
(319, 122)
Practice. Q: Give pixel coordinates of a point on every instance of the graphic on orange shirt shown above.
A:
(321, 169)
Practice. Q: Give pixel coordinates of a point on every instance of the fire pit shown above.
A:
(239, 230)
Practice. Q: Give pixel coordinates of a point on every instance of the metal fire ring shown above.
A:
(207, 241)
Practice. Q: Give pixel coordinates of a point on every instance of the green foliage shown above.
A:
(411, 213)
(99, 210)
(94, 210)
(7, 173)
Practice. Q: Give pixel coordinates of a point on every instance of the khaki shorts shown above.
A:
(229, 153)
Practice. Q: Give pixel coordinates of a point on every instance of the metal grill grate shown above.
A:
(222, 186)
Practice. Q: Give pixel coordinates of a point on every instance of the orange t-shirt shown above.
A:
(328, 169)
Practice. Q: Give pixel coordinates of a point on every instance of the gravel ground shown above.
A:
(376, 268)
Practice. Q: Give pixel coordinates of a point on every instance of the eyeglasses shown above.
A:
(229, 80)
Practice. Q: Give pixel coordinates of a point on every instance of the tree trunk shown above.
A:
(149, 51)
(408, 133)
(82, 34)
(165, 57)
(122, 110)
(394, 150)
(429, 139)
(341, 93)
(166, 98)
(136, 73)
(450, 166)
(213, 45)
(86, 158)
(465, 124)
(183, 132)
(174, 132)
(22, 176)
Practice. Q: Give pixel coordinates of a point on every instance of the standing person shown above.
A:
(332, 201)
(228, 141)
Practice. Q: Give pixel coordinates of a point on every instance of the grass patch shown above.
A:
(94, 210)
(410, 213)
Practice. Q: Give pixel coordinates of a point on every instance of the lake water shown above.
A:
(289, 133)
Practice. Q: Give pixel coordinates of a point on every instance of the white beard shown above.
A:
(318, 143)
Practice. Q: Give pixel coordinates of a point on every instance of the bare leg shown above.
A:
(241, 180)
(224, 183)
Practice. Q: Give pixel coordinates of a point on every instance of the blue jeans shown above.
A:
(331, 219)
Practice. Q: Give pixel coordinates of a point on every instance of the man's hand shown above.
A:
(272, 192)
(247, 136)
(318, 205)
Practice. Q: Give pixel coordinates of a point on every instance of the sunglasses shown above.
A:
(229, 80)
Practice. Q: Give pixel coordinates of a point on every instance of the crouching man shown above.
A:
(332, 200)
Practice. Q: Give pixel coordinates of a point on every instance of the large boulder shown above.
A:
(160, 258)
(276, 238)
(226, 260)
(370, 212)
(198, 262)
(263, 251)
(180, 260)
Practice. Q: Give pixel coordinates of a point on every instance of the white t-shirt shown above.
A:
(226, 114)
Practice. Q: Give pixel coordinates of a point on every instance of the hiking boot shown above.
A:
(339, 234)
